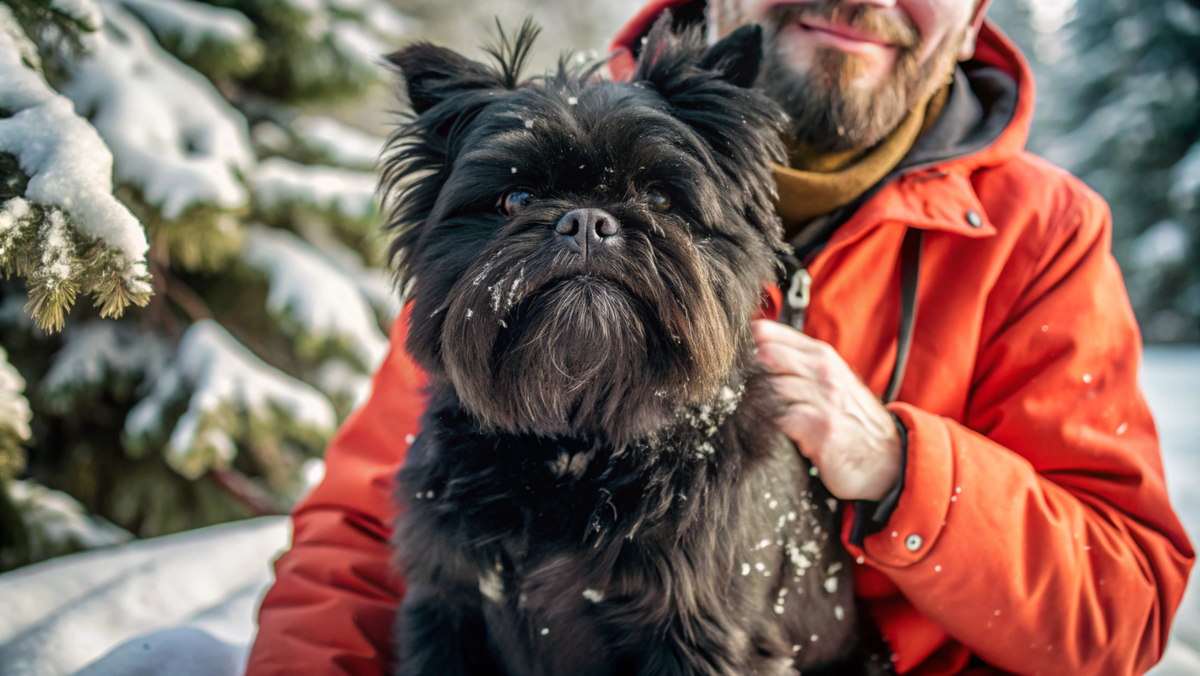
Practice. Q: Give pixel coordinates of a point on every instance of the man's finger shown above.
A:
(784, 360)
(767, 331)
(798, 390)
(805, 425)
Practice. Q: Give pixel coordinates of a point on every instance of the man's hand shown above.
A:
(836, 422)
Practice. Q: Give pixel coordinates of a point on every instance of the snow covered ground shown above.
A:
(1171, 381)
(184, 605)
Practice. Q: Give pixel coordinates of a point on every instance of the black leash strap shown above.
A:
(910, 271)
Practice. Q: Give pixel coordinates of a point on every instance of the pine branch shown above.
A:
(232, 398)
(14, 421)
(59, 24)
(185, 179)
(253, 498)
(219, 42)
(181, 294)
(60, 226)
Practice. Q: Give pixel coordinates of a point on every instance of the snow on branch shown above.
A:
(102, 356)
(282, 188)
(347, 386)
(57, 23)
(175, 140)
(373, 283)
(55, 524)
(367, 29)
(14, 419)
(85, 13)
(219, 42)
(232, 397)
(338, 143)
(322, 48)
(316, 303)
(60, 226)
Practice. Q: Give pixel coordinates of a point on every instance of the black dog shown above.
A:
(599, 486)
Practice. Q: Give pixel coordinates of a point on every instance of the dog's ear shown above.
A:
(709, 90)
(737, 57)
(670, 58)
(434, 74)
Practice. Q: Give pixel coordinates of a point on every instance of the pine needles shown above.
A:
(58, 264)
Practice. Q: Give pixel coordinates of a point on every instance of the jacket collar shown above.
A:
(930, 189)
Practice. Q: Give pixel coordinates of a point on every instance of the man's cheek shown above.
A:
(935, 20)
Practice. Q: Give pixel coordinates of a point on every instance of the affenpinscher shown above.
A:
(599, 487)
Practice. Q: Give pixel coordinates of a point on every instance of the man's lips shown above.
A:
(840, 37)
(831, 33)
(842, 32)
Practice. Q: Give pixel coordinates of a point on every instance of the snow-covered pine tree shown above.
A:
(1127, 123)
(162, 157)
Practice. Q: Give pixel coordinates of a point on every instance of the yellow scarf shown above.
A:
(817, 184)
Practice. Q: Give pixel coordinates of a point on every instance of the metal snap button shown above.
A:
(913, 542)
(974, 219)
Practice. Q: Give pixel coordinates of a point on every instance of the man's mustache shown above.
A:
(892, 27)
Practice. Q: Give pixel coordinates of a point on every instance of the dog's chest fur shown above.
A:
(582, 560)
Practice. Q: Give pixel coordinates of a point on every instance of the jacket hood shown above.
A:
(994, 52)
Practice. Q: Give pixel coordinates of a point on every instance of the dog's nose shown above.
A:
(584, 228)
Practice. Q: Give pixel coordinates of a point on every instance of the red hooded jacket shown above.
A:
(1046, 543)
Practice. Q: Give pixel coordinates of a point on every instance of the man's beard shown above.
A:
(827, 113)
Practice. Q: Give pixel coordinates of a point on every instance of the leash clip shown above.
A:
(798, 295)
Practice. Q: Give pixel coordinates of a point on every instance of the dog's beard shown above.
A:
(536, 344)
(830, 114)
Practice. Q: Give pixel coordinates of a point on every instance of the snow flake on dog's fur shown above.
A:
(799, 561)
(491, 585)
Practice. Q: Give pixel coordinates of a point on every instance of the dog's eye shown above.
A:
(657, 201)
(513, 201)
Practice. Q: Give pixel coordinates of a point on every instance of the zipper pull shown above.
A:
(798, 295)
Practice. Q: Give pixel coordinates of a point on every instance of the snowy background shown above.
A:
(193, 292)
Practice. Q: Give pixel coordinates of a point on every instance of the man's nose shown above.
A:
(583, 229)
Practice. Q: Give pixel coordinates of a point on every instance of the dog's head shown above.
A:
(584, 257)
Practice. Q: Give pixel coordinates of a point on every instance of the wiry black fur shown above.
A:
(599, 486)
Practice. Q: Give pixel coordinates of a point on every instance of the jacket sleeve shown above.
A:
(333, 604)
(1038, 532)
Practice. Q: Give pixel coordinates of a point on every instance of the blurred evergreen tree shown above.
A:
(1015, 19)
(1128, 123)
(164, 158)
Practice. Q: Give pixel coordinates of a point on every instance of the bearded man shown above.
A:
(1009, 513)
